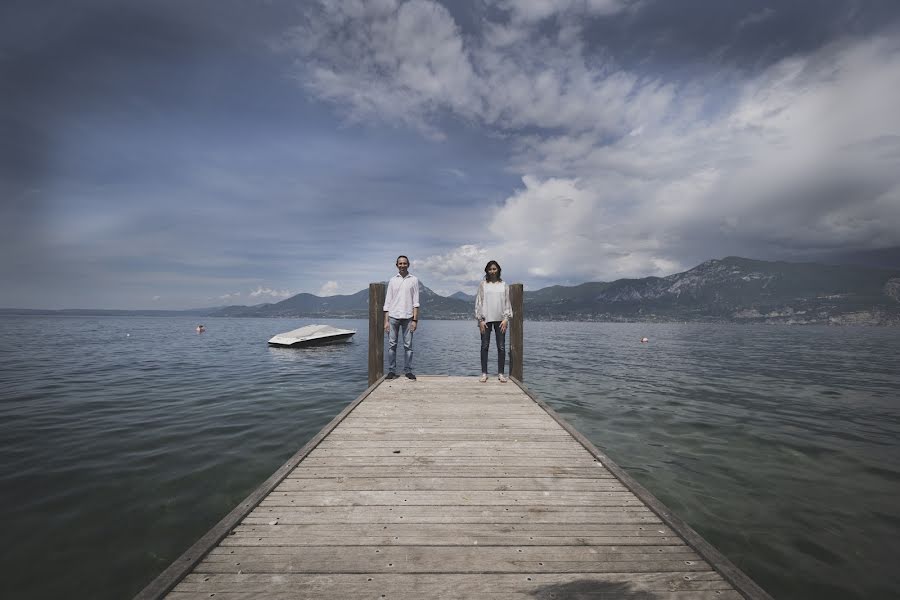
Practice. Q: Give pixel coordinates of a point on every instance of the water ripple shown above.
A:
(130, 437)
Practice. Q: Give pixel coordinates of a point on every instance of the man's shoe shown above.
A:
(410, 376)
(391, 376)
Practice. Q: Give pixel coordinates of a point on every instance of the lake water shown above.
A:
(123, 440)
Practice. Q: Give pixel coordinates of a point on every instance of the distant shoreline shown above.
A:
(842, 321)
(730, 290)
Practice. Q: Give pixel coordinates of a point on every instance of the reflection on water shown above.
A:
(124, 439)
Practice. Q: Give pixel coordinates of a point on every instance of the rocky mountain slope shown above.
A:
(733, 289)
(730, 289)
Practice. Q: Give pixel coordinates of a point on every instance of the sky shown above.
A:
(174, 155)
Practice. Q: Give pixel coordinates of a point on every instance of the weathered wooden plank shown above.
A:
(433, 398)
(411, 394)
(466, 556)
(403, 392)
(450, 461)
(447, 559)
(445, 401)
(425, 591)
(468, 435)
(450, 498)
(448, 471)
(469, 410)
(448, 484)
(387, 456)
(485, 422)
(430, 540)
(450, 432)
(498, 420)
(450, 514)
(521, 452)
(434, 585)
(524, 529)
(406, 391)
(432, 443)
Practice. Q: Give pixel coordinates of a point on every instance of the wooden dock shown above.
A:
(449, 488)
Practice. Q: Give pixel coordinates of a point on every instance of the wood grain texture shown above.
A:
(517, 330)
(448, 488)
(376, 331)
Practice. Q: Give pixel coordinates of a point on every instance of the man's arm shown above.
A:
(388, 299)
(415, 299)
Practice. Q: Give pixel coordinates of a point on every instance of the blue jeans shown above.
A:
(486, 345)
(396, 326)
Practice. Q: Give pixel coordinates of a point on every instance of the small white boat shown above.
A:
(312, 335)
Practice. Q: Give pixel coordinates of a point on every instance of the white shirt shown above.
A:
(402, 296)
(492, 302)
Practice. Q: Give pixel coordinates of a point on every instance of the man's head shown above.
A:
(403, 264)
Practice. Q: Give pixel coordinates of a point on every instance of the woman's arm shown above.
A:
(507, 305)
(479, 307)
(507, 308)
(479, 302)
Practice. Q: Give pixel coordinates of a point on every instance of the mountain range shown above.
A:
(730, 289)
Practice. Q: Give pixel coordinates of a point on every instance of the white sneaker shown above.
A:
(502, 378)
(483, 377)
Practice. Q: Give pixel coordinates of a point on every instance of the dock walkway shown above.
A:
(449, 488)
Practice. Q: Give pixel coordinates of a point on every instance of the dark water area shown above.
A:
(123, 440)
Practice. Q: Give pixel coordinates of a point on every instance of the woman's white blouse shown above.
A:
(492, 302)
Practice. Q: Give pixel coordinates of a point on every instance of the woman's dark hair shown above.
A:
(488, 266)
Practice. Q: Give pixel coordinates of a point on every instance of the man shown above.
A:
(401, 313)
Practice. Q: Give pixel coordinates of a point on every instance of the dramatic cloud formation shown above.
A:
(191, 151)
(329, 288)
(462, 267)
(267, 293)
(625, 173)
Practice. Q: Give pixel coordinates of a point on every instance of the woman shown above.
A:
(493, 311)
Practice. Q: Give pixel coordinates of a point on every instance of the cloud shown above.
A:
(797, 163)
(409, 63)
(757, 17)
(261, 292)
(385, 59)
(230, 297)
(568, 139)
(577, 236)
(329, 288)
(462, 267)
(532, 11)
(456, 173)
(625, 173)
(156, 298)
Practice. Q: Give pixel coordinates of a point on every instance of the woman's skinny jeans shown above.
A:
(486, 345)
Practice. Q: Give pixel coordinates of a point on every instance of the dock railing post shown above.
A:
(376, 331)
(516, 330)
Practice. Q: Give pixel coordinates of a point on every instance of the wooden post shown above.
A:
(516, 330)
(376, 331)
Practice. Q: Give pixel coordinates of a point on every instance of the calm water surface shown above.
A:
(123, 440)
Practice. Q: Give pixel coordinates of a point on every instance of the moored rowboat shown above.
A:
(312, 335)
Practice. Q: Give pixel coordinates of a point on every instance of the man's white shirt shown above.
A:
(402, 296)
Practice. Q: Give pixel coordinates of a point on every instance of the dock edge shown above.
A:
(732, 574)
(166, 581)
